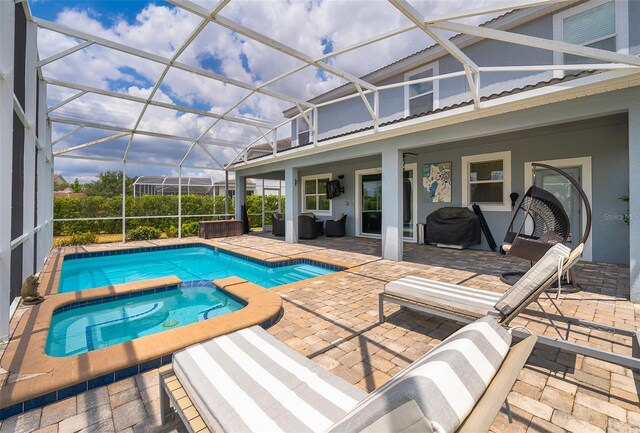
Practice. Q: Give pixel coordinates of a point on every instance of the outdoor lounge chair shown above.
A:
(250, 381)
(465, 304)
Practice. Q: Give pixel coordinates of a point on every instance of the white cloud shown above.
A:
(161, 29)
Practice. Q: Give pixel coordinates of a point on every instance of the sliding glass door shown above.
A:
(371, 212)
(369, 202)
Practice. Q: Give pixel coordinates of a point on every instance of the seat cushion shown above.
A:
(249, 381)
(461, 299)
(445, 384)
(533, 280)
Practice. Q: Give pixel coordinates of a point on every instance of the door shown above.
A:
(369, 202)
(564, 191)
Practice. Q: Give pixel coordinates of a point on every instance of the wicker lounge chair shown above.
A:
(465, 304)
(250, 381)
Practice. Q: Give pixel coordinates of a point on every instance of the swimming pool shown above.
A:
(190, 262)
(78, 328)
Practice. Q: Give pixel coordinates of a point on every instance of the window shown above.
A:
(421, 97)
(303, 131)
(486, 180)
(597, 24)
(314, 194)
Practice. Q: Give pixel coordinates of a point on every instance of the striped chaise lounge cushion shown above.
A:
(249, 381)
(439, 390)
(539, 273)
(473, 302)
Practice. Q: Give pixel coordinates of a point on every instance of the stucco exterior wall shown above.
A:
(352, 114)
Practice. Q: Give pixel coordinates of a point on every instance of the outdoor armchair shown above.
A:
(309, 227)
(336, 227)
(277, 225)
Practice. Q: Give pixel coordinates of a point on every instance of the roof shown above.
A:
(528, 87)
(186, 181)
(432, 52)
(171, 180)
(232, 182)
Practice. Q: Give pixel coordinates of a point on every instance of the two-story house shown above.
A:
(533, 104)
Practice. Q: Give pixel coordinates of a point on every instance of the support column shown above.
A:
(7, 19)
(226, 194)
(292, 207)
(180, 201)
(124, 201)
(42, 193)
(263, 218)
(634, 202)
(241, 191)
(392, 204)
(29, 197)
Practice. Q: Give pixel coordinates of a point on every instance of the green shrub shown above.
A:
(190, 229)
(149, 205)
(143, 233)
(82, 239)
(171, 232)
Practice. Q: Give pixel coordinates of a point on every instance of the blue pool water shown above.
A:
(188, 264)
(85, 328)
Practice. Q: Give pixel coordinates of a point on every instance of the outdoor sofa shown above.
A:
(249, 381)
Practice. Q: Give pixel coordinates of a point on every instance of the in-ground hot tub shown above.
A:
(89, 325)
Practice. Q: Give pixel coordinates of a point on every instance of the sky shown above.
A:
(314, 27)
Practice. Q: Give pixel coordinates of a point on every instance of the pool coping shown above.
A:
(56, 378)
(25, 353)
(53, 268)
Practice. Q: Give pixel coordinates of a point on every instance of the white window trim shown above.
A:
(506, 181)
(436, 85)
(622, 28)
(303, 179)
(297, 125)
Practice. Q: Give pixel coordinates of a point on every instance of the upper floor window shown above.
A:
(421, 97)
(303, 131)
(601, 24)
(486, 180)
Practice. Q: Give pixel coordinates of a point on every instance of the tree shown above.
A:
(61, 186)
(76, 186)
(109, 184)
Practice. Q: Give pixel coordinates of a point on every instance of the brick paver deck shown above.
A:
(335, 323)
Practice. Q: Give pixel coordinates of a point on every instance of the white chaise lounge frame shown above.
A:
(561, 342)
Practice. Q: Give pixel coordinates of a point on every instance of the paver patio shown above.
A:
(334, 321)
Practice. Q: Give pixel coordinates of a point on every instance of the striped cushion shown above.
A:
(446, 383)
(533, 279)
(462, 299)
(249, 381)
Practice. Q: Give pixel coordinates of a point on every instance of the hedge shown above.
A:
(148, 205)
